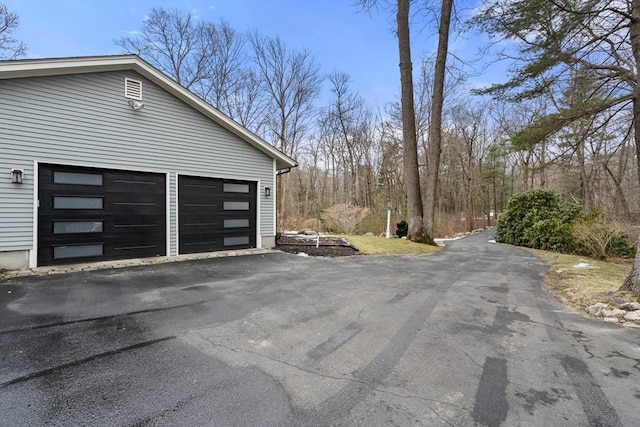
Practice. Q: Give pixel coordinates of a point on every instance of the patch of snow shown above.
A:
(447, 239)
(584, 265)
(561, 270)
(492, 241)
(302, 254)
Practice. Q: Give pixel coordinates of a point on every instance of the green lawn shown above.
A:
(374, 245)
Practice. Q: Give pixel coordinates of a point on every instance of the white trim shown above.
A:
(258, 214)
(33, 255)
(61, 66)
(177, 215)
(233, 178)
(33, 258)
(274, 194)
(168, 213)
(218, 176)
(100, 166)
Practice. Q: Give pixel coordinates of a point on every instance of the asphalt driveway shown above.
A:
(463, 337)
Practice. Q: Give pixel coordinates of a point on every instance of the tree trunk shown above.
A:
(632, 282)
(435, 127)
(416, 230)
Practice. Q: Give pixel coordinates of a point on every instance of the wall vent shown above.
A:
(133, 89)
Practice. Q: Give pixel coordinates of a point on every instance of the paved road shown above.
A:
(464, 337)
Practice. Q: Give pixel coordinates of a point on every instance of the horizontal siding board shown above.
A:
(85, 119)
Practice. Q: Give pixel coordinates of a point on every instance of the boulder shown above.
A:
(369, 234)
(596, 309)
(630, 306)
(616, 312)
(611, 319)
(633, 316)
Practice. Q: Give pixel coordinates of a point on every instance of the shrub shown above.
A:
(595, 236)
(343, 218)
(538, 219)
(551, 234)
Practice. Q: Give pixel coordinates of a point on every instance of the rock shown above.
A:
(616, 312)
(369, 234)
(617, 301)
(630, 306)
(611, 319)
(633, 316)
(596, 309)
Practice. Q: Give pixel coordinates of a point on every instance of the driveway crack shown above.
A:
(273, 359)
(332, 377)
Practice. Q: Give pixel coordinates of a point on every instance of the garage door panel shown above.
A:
(72, 228)
(205, 208)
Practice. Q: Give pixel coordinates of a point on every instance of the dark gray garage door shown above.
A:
(88, 214)
(216, 214)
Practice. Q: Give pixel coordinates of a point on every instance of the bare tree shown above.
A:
(171, 41)
(223, 63)
(435, 128)
(10, 48)
(292, 81)
(349, 123)
(210, 59)
(415, 219)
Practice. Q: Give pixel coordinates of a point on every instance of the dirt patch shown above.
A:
(331, 246)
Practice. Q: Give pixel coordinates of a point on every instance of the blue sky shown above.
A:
(339, 37)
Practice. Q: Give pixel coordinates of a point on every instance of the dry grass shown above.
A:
(582, 287)
(374, 245)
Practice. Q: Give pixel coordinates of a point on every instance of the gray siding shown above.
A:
(84, 119)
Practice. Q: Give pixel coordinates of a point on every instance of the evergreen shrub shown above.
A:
(538, 219)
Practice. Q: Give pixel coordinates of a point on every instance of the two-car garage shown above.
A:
(93, 214)
(107, 158)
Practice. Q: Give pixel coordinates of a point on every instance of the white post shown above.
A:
(389, 222)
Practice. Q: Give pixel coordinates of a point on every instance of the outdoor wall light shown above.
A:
(267, 191)
(136, 105)
(17, 175)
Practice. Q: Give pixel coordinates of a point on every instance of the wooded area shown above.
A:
(351, 153)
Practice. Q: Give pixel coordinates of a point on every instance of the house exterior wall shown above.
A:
(84, 119)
